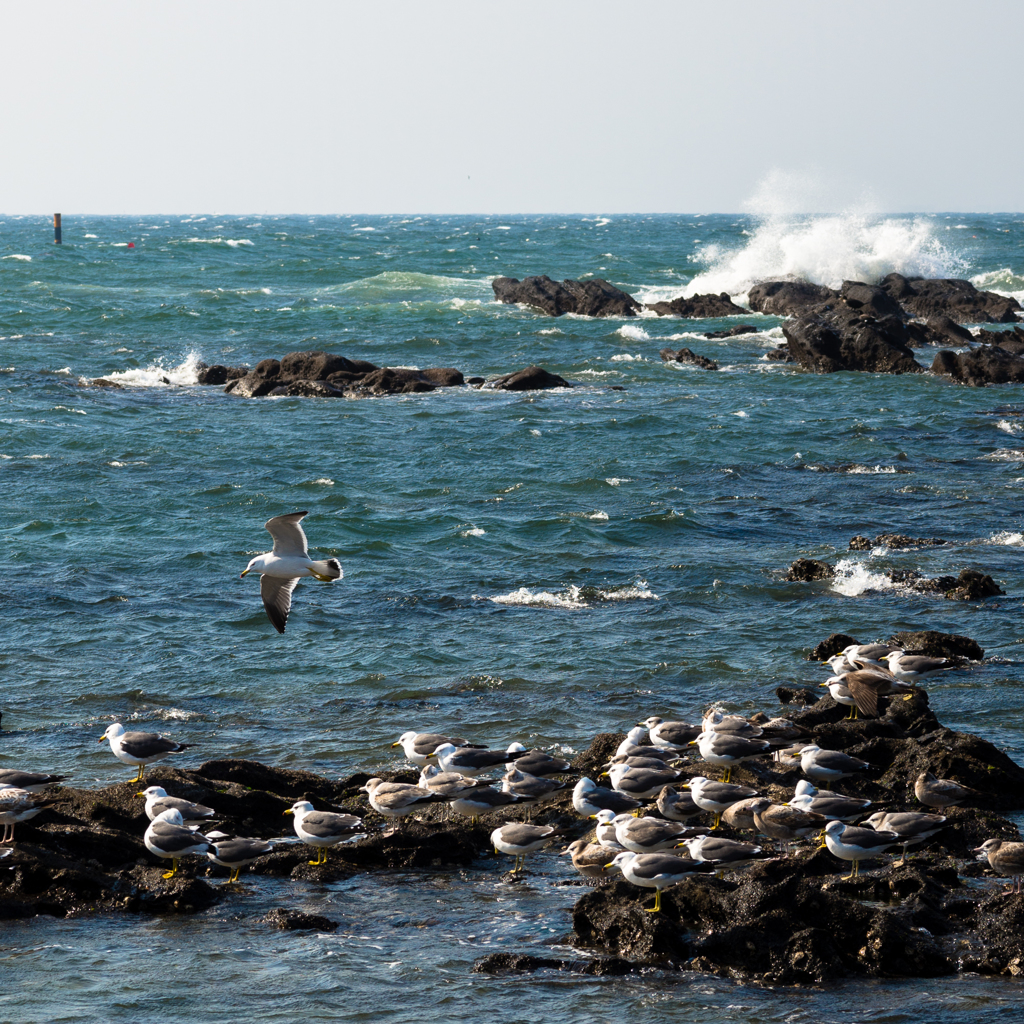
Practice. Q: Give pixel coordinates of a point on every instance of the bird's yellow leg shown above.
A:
(657, 903)
(728, 774)
(142, 768)
(718, 821)
(174, 868)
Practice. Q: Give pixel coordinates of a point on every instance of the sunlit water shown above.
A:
(517, 566)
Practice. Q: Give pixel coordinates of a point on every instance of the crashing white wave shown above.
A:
(633, 333)
(158, 375)
(17, 256)
(1002, 282)
(827, 250)
(573, 598)
(1008, 538)
(625, 357)
(233, 242)
(853, 578)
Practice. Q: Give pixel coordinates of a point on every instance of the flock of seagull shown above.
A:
(644, 774)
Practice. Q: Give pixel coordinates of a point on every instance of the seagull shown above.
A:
(723, 853)
(865, 686)
(449, 785)
(607, 821)
(657, 871)
(728, 748)
(468, 760)
(281, 569)
(168, 837)
(933, 792)
(834, 806)
(912, 667)
(588, 798)
(648, 835)
(157, 801)
(1006, 858)
(640, 783)
(418, 746)
(322, 829)
(828, 764)
(140, 748)
(912, 827)
(394, 799)
(632, 746)
(589, 859)
(840, 693)
(481, 800)
(518, 840)
(779, 821)
(740, 815)
(535, 762)
(31, 782)
(676, 806)
(236, 853)
(18, 805)
(736, 725)
(713, 796)
(868, 655)
(530, 789)
(670, 734)
(857, 844)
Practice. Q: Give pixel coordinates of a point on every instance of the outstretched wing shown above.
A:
(287, 533)
(277, 598)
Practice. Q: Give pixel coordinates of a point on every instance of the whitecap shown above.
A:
(598, 515)
(475, 532)
(742, 414)
(325, 481)
(526, 598)
(550, 330)
(64, 371)
(1008, 538)
(1010, 428)
(37, 456)
(1003, 282)
(625, 357)
(157, 375)
(633, 333)
(615, 481)
(853, 578)
(17, 256)
(1004, 455)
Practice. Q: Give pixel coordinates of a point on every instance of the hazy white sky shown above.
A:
(472, 106)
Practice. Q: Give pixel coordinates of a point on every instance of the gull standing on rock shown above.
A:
(828, 764)
(395, 799)
(912, 667)
(139, 748)
(1006, 858)
(418, 746)
(168, 837)
(589, 798)
(281, 569)
(857, 844)
(236, 853)
(658, 871)
(157, 801)
(933, 792)
(322, 829)
(912, 827)
(728, 748)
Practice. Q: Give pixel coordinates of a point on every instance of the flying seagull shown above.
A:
(281, 569)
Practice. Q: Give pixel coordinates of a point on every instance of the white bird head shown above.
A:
(621, 859)
(171, 816)
(153, 793)
(112, 732)
(300, 808)
(255, 564)
(835, 828)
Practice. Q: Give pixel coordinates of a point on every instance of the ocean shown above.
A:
(534, 566)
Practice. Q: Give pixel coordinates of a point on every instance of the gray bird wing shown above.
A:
(325, 825)
(277, 598)
(289, 538)
(147, 744)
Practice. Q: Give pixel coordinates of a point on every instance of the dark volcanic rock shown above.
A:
(522, 963)
(533, 378)
(218, 374)
(295, 920)
(313, 365)
(788, 298)
(869, 299)
(830, 647)
(934, 644)
(601, 750)
(780, 354)
(313, 389)
(1009, 341)
(388, 381)
(805, 569)
(443, 376)
(957, 299)
(684, 355)
(732, 332)
(988, 364)
(595, 297)
(939, 330)
(970, 585)
(700, 307)
(830, 341)
(894, 541)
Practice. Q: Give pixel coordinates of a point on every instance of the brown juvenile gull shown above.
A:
(740, 816)
(867, 685)
(728, 749)
(657, 871)
(157, 801)
(589, 859)
(588, 798)
(519, 840)
(395, 799)
(779, 821)
(1005, 858)
(912, 827)
(322, 829)
(857, 844)
(139, 748)
(281, 569)
(933, 792)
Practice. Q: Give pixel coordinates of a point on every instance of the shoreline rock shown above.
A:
(595, 297)
(684, 355)
(700, 307)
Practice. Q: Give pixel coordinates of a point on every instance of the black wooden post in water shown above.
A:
(56, 229)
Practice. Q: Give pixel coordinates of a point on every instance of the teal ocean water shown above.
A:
(538, 566)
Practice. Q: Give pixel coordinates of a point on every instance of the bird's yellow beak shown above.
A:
(604, 775)
(396, 744)
(101, 739)
(245, 573)
(609, 864)
(823, 684)
(140, 794)
(692, 743)
(289, 811)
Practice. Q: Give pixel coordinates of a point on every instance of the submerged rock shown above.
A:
(533, 378)
(970, 585)
(732, 332)
(806, 569)
(220, 374)
(295, 920)
(595, 297)
(700, 307)
(684, 355)
(894, 541)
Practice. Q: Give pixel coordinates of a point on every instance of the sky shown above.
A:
(473, 106)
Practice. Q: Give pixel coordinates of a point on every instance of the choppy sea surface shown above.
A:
(537, 566)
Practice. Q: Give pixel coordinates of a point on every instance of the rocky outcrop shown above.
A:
(788, 298)
(1011, 341)
(970, 585)
(869, 299)
(939, 330)
(832, 645)
(806, 569)
(318, 374)
(957, 299)
(684, 355)
(595, 297)
(987, 364)
(219, 374)
(699, 307)
(894, 541)
(533, 378)
(733, 332)
(935, 644)
(828, 341)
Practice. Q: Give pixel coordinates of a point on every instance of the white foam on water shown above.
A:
(853, 578)
(324, 481)
(615, 481)
(37, 456)
(633, 333)
(638, 591)
(233, 242)
(117, 464)
(157, 375)
(364, 229)
(64, 371)
(90, 236)
(1010, 428)
(550, 330)
(1008, 538)
(742, 414)
(6, 456)
(526, 598)
(502, 227)
(826, 250)
(598, 515)
(17, 256)
(476, 532)
(869, 470)
(625, 357)
(1004, 455)
(1003, 282)
(685, 336)
(536, 433)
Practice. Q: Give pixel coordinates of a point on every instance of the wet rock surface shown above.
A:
(894, 541)
(805, 569)
(533, 378)
(700, 307)
(952, 297)
(828, 340)
(733, 332)
(788, 298)
(988, 364)
(595, 297)
(684, 355)
(970, 585)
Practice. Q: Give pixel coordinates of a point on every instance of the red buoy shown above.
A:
(131, 245)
